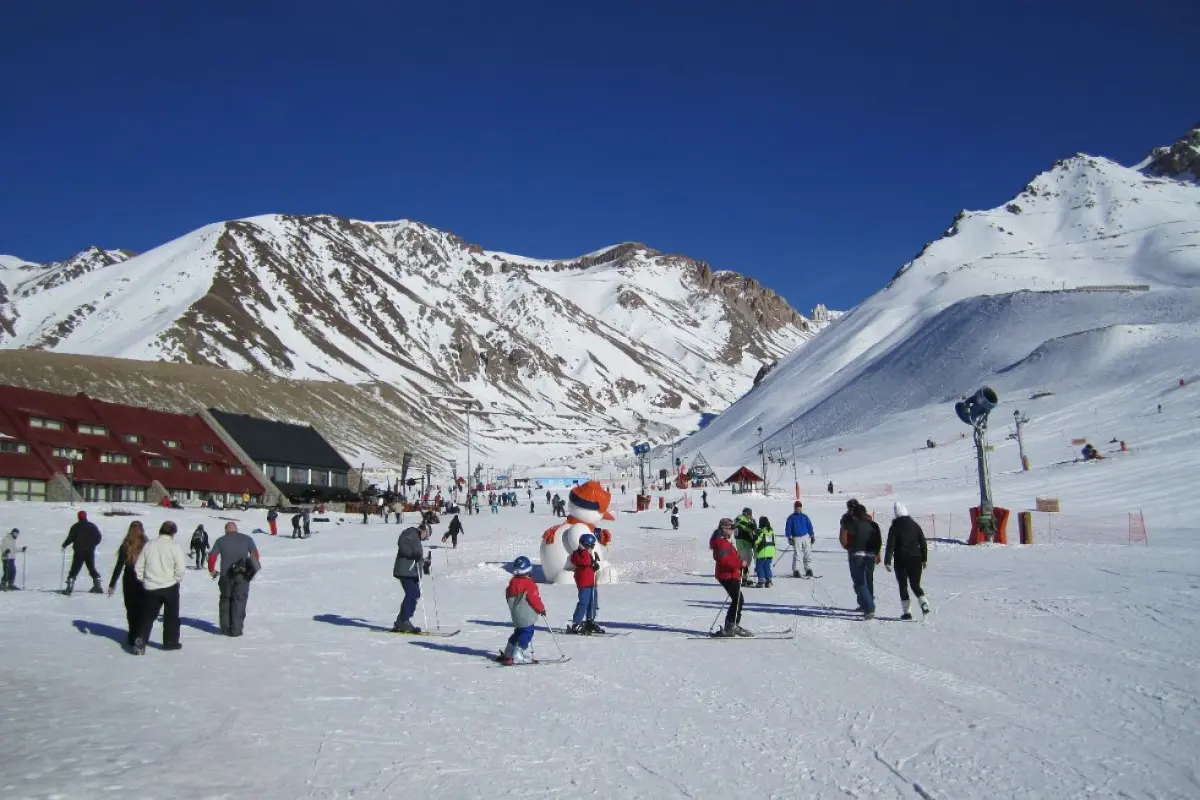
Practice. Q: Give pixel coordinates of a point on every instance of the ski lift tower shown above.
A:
(466, 403)
(642, 451)
(987, 521)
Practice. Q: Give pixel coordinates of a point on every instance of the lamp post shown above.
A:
(762, 451)
(468, 403)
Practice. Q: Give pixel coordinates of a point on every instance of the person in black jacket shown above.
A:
(200, 545)
(85, 537)
(906, 544)
(863, 540)
(131, 588)
(453, 531)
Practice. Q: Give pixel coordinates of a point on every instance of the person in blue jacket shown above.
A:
(799, 533)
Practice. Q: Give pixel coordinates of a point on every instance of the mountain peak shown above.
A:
(1181, 160)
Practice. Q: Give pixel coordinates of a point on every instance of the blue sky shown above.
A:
(814, 146)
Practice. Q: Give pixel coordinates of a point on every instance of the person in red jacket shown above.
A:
(586, 564)
(525, 603)
(729, 575)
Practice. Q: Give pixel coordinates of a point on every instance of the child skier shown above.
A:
(586, 564)
(526, 606)
(199, 545)
(675, 516)
(764, 553)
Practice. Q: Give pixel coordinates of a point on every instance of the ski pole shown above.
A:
(713, 626)
(437, 623)
(550, 628)
(22, 567)
(62, 572)
(784, 553)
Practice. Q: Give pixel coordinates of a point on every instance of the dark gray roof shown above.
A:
(270, 442)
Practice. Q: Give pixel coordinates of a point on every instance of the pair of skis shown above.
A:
(768, 635)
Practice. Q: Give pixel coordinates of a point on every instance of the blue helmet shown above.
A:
(588, 540)
(522, 566)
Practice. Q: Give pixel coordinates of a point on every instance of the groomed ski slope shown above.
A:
(1050, 671)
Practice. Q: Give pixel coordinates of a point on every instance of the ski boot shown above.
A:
(795, 573)
(139, 647)
(405, 626)
(808, 573)
(4, 586)
(576, 628)
(506, 655)
(769, 584)
(70, 586)
(96, 587)
(925, 609)
(522, 656)
(591, 627)
(738, 630)
(869, 615)
(728, 632)
(759, 585)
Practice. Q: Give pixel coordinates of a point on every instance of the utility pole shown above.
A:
(468, 403)
(795, 477)
(1021, 420)
(762, 451)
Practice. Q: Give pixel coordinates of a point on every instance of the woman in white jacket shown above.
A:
(160, 567)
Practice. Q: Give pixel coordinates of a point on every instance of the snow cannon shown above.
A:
(587, 507)
(978, 406)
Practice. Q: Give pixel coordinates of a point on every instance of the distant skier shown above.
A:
(675, 516)
(906, 544)
(297, 520)
(862, 539)
(84, 537)
(452, 531)
(747, 532)
(199, 545)
(728, 572)
(547, 497)
(532, 509)
(704, 498)
(830, 487)
(407, 569)
(8, 553)
(586, 564)
(525, 604)
(764, 553)
(800, 537)
(307, 515)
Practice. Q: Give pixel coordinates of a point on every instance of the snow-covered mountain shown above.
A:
(567, 357)
(1086, 285)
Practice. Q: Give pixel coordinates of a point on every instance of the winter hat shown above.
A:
(747, 511)
(899, 510)
(15, 532)
(797, 505)
(82, 515)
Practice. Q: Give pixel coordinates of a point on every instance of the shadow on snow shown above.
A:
(456, 648)
(349, 622)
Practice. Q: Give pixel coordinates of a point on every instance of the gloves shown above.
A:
(111, 589)
(791, 542)
(888, 567)
(213, 574)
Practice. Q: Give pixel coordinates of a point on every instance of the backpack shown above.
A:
(245, 567)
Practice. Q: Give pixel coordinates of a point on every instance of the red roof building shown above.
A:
(111, 452)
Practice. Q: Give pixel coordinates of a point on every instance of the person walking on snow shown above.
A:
(704, 498)
(525, 604)
(799, 533)
(862, 539)
(199, 545)
(160, 567)
(675, 516)
(240, 562)
(297, 521)
(407, 569)
(747, 532)
(906, 544)
(84, 537)
(764, 553)
(273, 515)
(586, 564)
(728, 572)
(453, 531)
(8, 553)
(132, 590)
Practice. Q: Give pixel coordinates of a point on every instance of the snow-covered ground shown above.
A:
(1060, 670)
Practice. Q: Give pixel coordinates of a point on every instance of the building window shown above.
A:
(93, 430)
(237, 470)
(69, 453)
(21, 490)
(196, 466)
(319, 477)
(339, 480)
(132, 438)
(276, 473)
(209, 448)
(161, 463)
(114, 458)
(298, 475)
(172, 443)
(105, 493)
(47, 424)
(8, 446)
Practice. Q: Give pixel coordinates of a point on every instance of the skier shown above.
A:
(85, 537)
(675, 516)
(704, 498)
(452, 532)
(272, 515)
(307, 515)
(531, 508)
(862, 539)
(728, 573)
(547, 497)
(407, 568)
(906, 543)
(160, 567)
(8, 552)
(744, 541)
(586, 563)
(764, 553)
(297, 520)
(132, 590)
(525, 604)
(830, 487)
(199, 545)
(239, 564)
(799, 532)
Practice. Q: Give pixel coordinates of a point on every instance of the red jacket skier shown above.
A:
(729, 575)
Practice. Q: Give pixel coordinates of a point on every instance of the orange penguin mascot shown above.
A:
(587, 507)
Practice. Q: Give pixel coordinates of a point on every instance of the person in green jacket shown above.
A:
(743, 540)
(764, 553)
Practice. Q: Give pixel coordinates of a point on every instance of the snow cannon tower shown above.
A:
(988, 523)
(587, 507)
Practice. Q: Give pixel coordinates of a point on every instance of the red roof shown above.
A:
(743, 475)
(155, 428)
